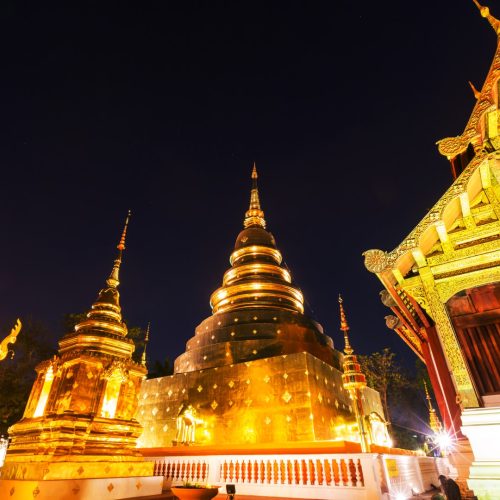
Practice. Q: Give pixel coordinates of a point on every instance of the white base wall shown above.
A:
(482, 428)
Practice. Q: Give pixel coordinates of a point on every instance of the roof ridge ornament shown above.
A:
(477, 93)
(254, 216)
(485, 12)
(113, 280)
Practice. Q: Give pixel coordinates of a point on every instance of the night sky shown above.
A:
(162, 107)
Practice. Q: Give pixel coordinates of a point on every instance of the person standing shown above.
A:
(450, 488)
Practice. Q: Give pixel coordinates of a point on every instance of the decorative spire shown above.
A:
(344, 327)
(434, 422)
(146, 340)
(254, 216)
(113, 280)
(485, 12)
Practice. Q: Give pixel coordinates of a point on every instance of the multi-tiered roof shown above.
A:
(258, 312)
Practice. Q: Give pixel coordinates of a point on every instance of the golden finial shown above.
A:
(146, 340)
(254, 216)
(344, 326)
(485, 12)
(476, 92)
(121, 245)
(113, 280)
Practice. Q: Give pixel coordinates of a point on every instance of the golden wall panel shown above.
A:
(288, 398)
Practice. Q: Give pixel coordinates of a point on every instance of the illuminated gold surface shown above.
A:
(10, 339)
(474, 132)
(258, 371)
(290, 398)
(79, 421)
(434, 423)
(354, 381)
(455, 247)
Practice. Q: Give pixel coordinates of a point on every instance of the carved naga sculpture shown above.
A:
(10, 339)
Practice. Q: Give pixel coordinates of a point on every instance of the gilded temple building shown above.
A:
(442, 285)
(77, 438)
(258, 371)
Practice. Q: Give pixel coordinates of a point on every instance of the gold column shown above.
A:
(453, 353)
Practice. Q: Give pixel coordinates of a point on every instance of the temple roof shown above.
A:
(444, 218)
(439, 230)
(477, 132)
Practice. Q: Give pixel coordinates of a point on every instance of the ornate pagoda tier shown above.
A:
(258, 370)
(258, 311)
(79, 423)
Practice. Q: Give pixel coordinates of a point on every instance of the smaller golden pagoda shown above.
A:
(353, 380)
(434, 422)
(78, 434)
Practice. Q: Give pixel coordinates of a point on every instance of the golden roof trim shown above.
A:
(377, 261)
(453, 146)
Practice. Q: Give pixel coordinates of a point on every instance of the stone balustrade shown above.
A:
(346, 476)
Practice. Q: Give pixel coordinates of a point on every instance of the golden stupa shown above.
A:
(258, 370)
(77, 438)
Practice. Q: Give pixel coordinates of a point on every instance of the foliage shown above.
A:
(159, 369)
(17, 375)
(385, 375)
(401, 394)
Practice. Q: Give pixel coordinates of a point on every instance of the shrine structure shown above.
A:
(258, 370)
(442, 285)
(77, 438)
(262, 400)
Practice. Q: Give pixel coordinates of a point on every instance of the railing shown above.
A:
(301, 476)
(192, 471)
(346, 472)
(363, 476)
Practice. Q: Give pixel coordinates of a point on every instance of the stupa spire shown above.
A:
(344, 326)
(113, 280)
(434, 422)
(353, 380)
(105, 314)
(254, 216)
(146, 340)
(485, 12)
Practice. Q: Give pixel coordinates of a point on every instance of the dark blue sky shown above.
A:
(162, 107)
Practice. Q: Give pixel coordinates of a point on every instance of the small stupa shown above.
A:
(77, 438)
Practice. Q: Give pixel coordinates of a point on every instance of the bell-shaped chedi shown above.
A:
(79, 422)
(258, 370)
(257, 312)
